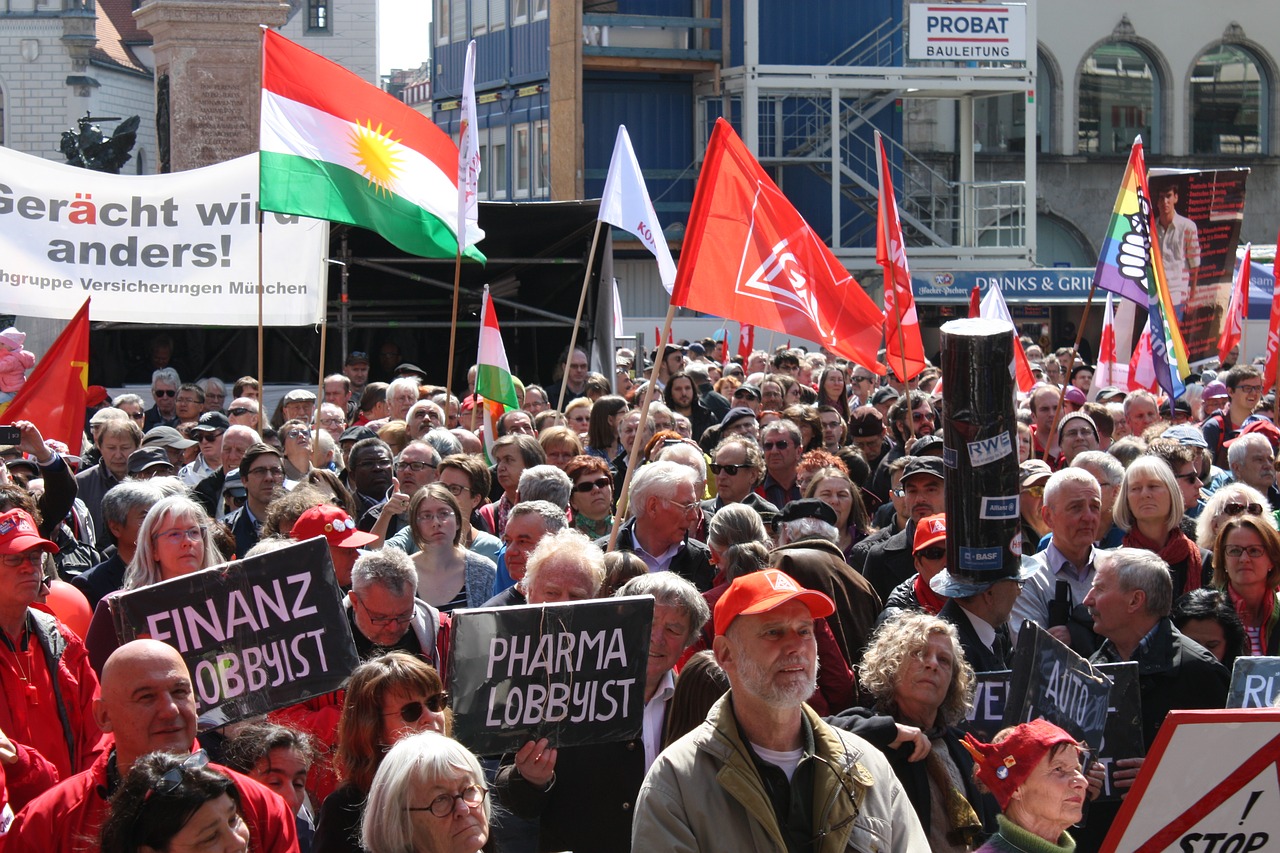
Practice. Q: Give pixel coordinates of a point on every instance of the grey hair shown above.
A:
(807, 528)
(1058, 481)
(124, 399)
(390, 568)
(671, 590)
(734, 524)
(143, 570)
(418, 442)
(443, 441)
(1138, 568)
(405, 382)
(658, 480)
(783, 425)
(1158, 468)
(566, 547)
(414, 764)
(545, 483)
(212, 382)
(686, 454)
(1105, 462)
(269, 544)
(553, 517)
(1240, 448)
(167, 375)
(1212, 517)
(124, 498)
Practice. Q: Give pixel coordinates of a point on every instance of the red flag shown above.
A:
(746, 340)
(53, 397)
(1273, 332)
(975, 303)
(1108, 372)
(1142, 367)
(748, 255)
(903, 346)
(1237, 308)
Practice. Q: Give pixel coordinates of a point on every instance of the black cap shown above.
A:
(357, 357)
(806, 508)
(408, 369)
(148, 457)
(930, 465)
(212, 422)
(355, 433)
(925, 444)
(884, 395)
(748, 389)
(735, 414)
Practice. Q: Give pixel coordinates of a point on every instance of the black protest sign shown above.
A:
(1052, 681)
(1122, 735)
(1255, 682)
(572, 673)
(257, 634)
(986, 715)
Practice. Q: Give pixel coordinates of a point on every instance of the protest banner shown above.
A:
(572, 673)
(1210, 785)
(1255, 682)
(257, 634)
(985, 716)
(188, 240)
(1051, 681)
(1198, 214)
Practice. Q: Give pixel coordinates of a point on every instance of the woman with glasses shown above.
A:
(1149, 509)
(175, 539)
(592, 497)
(175, 803)
(449, 575)
(296, 436)
(388, 698)
(1247, 569)
(429, 796)
(1227, 502)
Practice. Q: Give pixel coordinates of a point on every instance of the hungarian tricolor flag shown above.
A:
(903, 346)
(1237, 308)
(749, 256)
(53, 397)
(334, 147)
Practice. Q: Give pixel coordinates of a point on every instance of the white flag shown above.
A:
(469, 232)
(626, 205)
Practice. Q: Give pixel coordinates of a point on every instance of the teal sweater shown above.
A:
(1011, 838)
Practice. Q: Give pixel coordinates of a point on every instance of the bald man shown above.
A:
(147, 704)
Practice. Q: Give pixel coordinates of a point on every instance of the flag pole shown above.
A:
(315, 415)
(1075, 347)
(262, 379)
(644, 418)
(582, 301)
(453, 322)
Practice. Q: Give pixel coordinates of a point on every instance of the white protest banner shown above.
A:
(178, 249)
(1209, 785)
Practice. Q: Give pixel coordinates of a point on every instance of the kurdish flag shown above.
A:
(1130, 266)
(334, 147)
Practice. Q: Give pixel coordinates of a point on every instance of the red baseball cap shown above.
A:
(18, 533)
(1003, 767)
(930, 530)
(762, 591)
(333, 524)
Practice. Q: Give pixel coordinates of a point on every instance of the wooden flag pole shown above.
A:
(453, 323)
(644, 418)
(582, 301)
(1062, 392)
(324, 339)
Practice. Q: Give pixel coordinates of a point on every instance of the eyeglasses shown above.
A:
(241, 411)
(267, 472)
(1235, 552)
(210, 437)
(731, 470)
(685, 508)
(1189, 477)
(412, 712)
(160, 392)
(172, 778)
(138, 416)
(443, 805)
(297, 433)
(592, 485)
(28, 558)
(455, 489)
(175, 536)
(921, 416)
(932, 553)
(379, 462)
(1250, 389)
(415, 466)
(332, 422)
(776, 445)
(381, 619)
(1235, 508)
(443, 517)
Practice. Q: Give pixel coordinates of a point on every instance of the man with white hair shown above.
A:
(164, 391)
(1252, 461)
(691, 456)
(208, 492)
(665, 501)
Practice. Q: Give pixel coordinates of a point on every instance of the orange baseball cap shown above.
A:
(760, 592)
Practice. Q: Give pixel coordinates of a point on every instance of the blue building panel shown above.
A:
(530, 52)
(809, 33)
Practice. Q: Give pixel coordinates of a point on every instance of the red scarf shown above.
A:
(928, 599)
(1177, 549)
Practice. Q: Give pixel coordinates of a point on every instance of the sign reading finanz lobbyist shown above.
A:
(961, 31)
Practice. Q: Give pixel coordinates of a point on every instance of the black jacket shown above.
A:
(891, 561)
(692, 562)
(981, 658)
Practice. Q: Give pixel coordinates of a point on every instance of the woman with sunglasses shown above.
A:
(449, 575)
(429, 796)
(592, 497)
(173, 802)
(387, 699)
(1227, 502)
(175, 538)
(1247, 569)
(1149, 509)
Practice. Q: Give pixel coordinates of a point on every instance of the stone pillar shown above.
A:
(208, 76)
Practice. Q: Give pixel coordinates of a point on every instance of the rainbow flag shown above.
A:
(1130, 266)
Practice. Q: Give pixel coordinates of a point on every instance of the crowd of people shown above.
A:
(812, 657)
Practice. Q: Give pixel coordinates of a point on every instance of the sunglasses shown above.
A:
(1191, 477)
(1235, 508)
(172, 778)
(932, 553)
(209, 437)
(164, 393)
(591, 485)
(776, 445)
(731, 470)
(413, 711)
(240, 411)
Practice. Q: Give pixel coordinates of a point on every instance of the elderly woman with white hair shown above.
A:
(1149, 510)
(1229, 501)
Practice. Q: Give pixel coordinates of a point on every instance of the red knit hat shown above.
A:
(1003, 767)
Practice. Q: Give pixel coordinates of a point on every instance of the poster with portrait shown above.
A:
(1198, 217)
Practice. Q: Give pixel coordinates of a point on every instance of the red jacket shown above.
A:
(68, 817)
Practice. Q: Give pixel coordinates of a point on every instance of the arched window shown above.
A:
(1227, 103)
(1119, 99)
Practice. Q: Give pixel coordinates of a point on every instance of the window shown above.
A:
(539, 9)
(440, 20)
(497, 15)
(1119, 99)
(479, 17)
(497, 163)
(1227, 102)
(483, 191)
(519, 12)
(317, 16)
(542, 160)
(999, 123)
(458, 21)
(522, 161)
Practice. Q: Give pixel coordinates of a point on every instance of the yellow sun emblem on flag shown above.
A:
(376, 155)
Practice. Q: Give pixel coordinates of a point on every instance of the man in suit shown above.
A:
(979, 607)
(262, 472)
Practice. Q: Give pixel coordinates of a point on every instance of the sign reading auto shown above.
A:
(967, 32)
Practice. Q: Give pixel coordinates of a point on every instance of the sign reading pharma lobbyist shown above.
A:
(179, 249)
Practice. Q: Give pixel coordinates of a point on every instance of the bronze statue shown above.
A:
(89, 149)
